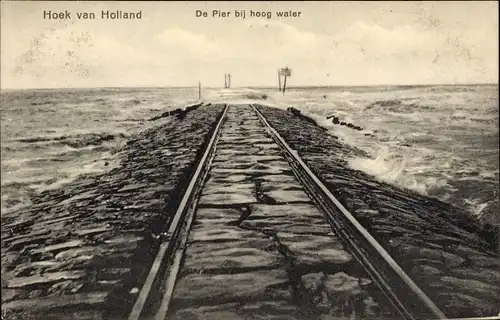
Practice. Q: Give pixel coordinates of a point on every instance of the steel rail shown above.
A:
(407, 298)
(175, 239)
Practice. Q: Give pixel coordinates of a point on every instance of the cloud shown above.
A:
(72, 56)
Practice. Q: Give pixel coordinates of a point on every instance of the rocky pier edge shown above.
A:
(82, 251)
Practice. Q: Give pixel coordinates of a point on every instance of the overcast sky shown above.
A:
(331, 43)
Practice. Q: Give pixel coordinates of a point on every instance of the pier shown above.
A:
(242, 211)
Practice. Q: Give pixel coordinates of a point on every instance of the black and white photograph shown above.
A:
(249, 160)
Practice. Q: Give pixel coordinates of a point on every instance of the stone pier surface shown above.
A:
(259, 248)
(82, 251)
(451, 256)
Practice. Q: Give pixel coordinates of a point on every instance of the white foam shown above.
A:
(385, 169)
(387, 164)
(476, 206)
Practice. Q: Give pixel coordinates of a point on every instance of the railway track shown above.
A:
(251, 193)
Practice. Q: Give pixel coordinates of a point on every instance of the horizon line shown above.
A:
(256, 86)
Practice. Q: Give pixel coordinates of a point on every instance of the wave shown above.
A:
(72, 155)
(41, 103)
(485, 210)
(420, 139)
(396, 155)
(396, 105)
(467, 117)
(69, 174)
(476, 206)
(8, 205)
(77, 140)
(135, 101)
(460, 115)
(391, 168)
(15, 195)
(385, 103)
(24, 183)
(17, 192)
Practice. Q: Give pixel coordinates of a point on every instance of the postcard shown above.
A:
(249, 160)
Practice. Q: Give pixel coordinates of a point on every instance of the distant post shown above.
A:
(279, 80)
(286, 72)
(199, 90)
(227, 80)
